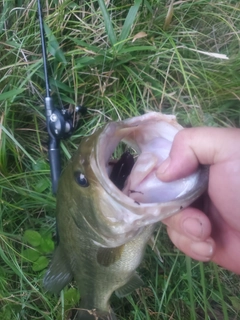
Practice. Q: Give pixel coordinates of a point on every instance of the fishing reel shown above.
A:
(62, 123)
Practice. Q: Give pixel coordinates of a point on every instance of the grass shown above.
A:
(118, 59)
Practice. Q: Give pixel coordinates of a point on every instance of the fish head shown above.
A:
(116, 215)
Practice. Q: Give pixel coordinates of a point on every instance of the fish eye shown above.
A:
(81, 179)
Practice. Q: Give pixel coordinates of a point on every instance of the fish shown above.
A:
(108, 209)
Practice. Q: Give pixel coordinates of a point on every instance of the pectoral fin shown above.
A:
(58, 274)
(134, 283)
(108, 256)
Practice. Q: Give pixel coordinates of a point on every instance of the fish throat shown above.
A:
(121, 169)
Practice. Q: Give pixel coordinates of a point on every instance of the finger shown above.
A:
(190, 223)
(198, 145)
(198, 250)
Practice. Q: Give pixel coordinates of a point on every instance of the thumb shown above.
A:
(195, 146)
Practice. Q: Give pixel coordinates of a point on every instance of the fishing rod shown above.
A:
(60, 122)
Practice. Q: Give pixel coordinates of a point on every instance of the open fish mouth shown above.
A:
(151, 136)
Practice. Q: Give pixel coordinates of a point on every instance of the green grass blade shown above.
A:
(128, 23)
(224, 307)
(11, 94)
(190, 287)
(166, 285)
(108, 23)
(16, 142)
(3, 16)
(53, 45)
(204, 289)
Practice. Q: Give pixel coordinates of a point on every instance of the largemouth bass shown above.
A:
(107, 210)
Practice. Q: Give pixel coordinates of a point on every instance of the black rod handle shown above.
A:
(55, 164)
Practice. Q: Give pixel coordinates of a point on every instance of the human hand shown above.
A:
(215, 233)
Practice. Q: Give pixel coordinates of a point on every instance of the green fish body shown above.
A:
(103, 228)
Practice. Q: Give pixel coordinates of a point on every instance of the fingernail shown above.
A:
(163, 167)
(203, 249)
(193, 227)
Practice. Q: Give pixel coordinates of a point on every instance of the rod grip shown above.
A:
(55, 166)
